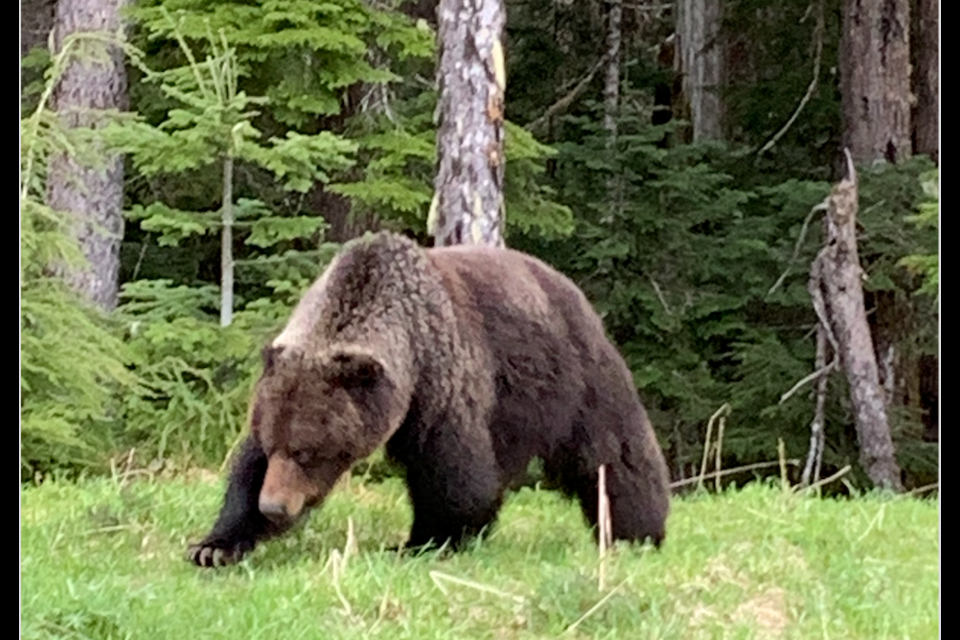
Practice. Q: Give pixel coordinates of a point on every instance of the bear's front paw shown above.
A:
(218, 553)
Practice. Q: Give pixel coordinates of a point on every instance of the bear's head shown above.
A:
(315, 415)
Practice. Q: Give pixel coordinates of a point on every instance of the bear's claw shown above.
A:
(212, 554)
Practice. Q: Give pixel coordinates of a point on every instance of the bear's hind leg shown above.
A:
(240, 524)
(638, 498)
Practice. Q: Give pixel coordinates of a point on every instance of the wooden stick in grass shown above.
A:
(604, 523)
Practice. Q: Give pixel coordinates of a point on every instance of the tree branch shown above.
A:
(564, 102)
(727, 472)
(808, 378)
(818, 34)
(796, 248)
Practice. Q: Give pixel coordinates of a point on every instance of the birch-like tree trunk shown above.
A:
(926, 80)
(611, 82)
(90, 188)
(838, 269)
(875, 79)
(468, 198)
(702, 63)
(226, 245)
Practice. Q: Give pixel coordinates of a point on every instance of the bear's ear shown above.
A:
(353, 369)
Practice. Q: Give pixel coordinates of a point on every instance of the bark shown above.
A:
(468, 199)
(929, 389)
(611, 83)
(702, 62)
(90, 188)
(875, 79)
(838, 269)
(890, 324)
(926, 80)
(811, 470)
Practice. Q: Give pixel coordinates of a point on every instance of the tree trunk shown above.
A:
(875, 79)
(611, 83)
(926, 80)
(90, 186)
(702, 63)
(811, 470)
(468, 199)
(838, 269)
(226, 245)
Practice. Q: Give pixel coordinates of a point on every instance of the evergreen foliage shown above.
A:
(927, 265)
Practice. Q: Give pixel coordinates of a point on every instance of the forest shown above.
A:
(188, 168)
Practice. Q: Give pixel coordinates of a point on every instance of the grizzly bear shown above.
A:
(466, 362)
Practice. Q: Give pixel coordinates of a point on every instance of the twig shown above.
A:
(725, 407)
(136, 268)
(718, 464)
(818, 34)
(875, 521)
(604, 531)
(439, 577)
(923, 489)
(827, 480)
(350, 547)
(807, 378)
(338, 565)
(381, 610)
(796, 247)
(568, 99)
(663, 301)
(594, 608)
(706, 452)
(782, 457)
(728, 472)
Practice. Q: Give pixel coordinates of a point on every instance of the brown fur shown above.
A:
(466, 362)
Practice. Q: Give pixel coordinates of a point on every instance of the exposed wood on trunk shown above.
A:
(875, 79)
(837, 269)
(702, 62)
(926, 80)
(90, 188)
(468, 197)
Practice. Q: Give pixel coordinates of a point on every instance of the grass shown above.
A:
(103, 559)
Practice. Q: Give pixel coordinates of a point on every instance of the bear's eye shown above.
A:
(304, 457)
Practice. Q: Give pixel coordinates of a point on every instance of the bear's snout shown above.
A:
(284, 492)
(276, 511)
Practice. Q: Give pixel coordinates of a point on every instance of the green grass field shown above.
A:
(102, 559)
